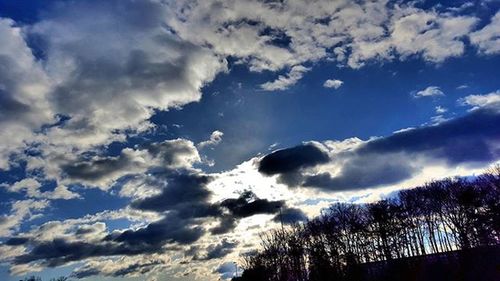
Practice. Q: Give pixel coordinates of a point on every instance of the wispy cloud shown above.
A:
(431, 91)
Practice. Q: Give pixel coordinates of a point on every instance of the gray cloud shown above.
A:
(292, 159)
(470, 140)
(248, 205)
(105, 170)
(220, 250)
(290, 216)
(173, 228)
(183, 192)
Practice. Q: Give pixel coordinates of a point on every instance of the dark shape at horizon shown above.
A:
(292, 159)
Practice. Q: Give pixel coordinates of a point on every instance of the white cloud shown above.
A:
(356, 32)
(333, 83)
(23, 92)
(435, 120)
(488, 38)
(215, 139)
(491, 100)
(20, 211)
(32, 188)
(431, 91)
(284, 82)
(435, 36)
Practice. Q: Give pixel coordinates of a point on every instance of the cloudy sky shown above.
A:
(155, 140)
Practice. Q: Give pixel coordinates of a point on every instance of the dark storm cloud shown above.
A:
(292, 159)
(171, 229)
(184, 204)
(180, 191)
(104, 170)
(60, 251)
(226, 224)
(365, 170)
(16, 241)
(248, 205)
(470, 139)
(97, 169)
(173, 153)
(290, 216)
(464, 139)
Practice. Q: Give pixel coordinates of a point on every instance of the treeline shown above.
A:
(441, 216)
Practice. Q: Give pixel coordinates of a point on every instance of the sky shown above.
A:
(155, 140)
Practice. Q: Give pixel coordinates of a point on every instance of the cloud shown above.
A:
(20, 211)
(215, 139)
(466, 140)
(32, 188)
(491, 100)
(290, 216)
(186, 193)
(105, 82)
(150, 239)
(173, 228)
(24, 87)
(123, 267)
(113, 78)
(248, 205)
(440, 109)
(103, 171)
(435, 36)
(262, 35)
(431, 91)
(364, 171)
(219, 250)
(487, 39)
(227, 223)
(288, 163)
(333, 83)
(292, 159)
(61, 251)
(284, 82)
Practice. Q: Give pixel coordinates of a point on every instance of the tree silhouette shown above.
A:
(419, 225)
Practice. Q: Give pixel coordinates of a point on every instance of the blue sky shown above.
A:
(138, 137)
